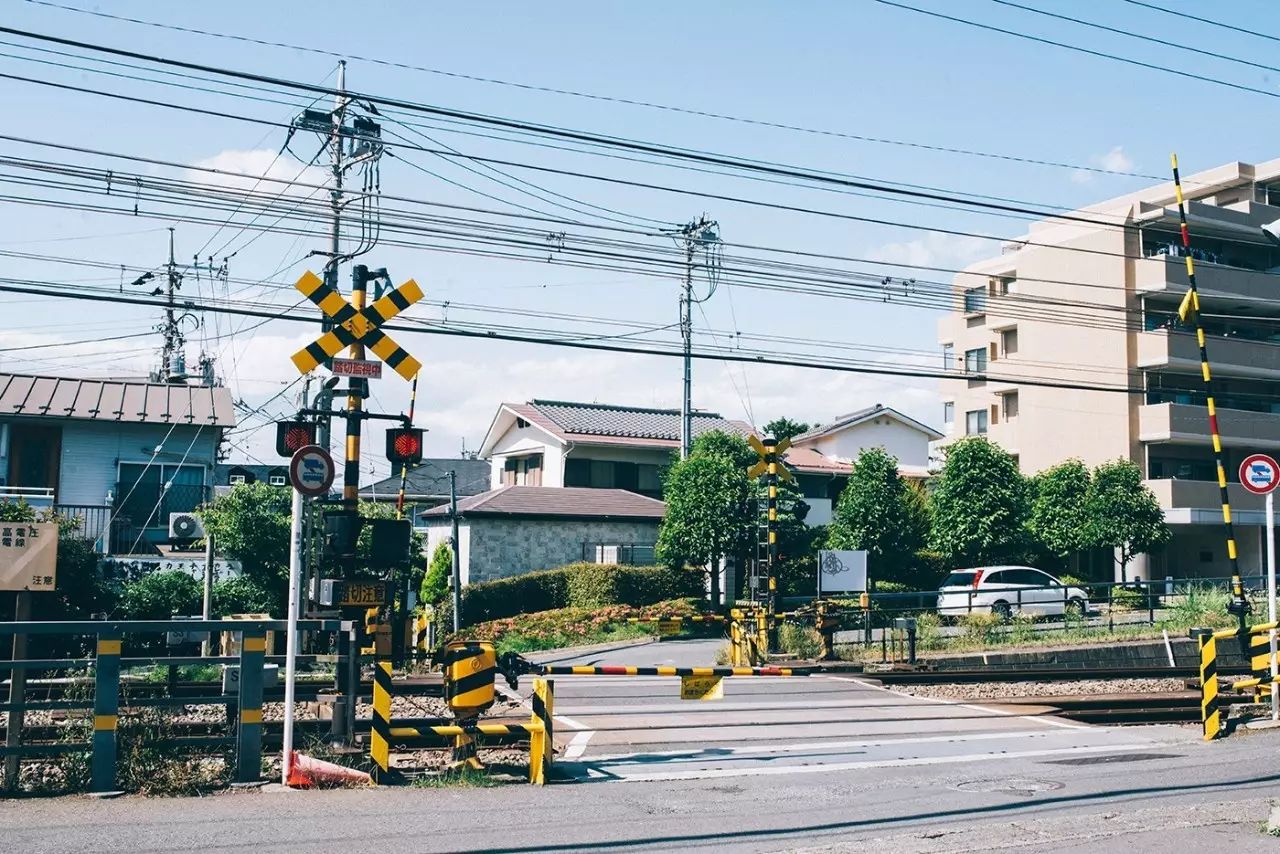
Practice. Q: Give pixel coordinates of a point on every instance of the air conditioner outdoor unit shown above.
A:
(185, 527)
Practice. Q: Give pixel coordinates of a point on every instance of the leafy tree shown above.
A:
(980, 504)
(785, 428)
(1123, 513)
(717, 443)
(435, 586)
(882, 514)
(243, 595)
(250, 524)
(707, 516)
(160, 595)
(1059, 519)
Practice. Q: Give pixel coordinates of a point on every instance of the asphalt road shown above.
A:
(868, 770)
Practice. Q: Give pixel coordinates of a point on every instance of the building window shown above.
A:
(975, 422)
(1010, 405)
(521, 424)
(236, 479)
(147, 494)
(975, 360)
(1001, 286)
(522, 471)
(1009, 342)
(948, 356)
(975, 300)
(948, 412)
(277, 480)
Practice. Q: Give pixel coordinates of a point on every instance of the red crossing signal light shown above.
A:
(292, 435)
(404, 445)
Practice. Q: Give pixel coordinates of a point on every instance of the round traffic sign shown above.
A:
(1259, 473)
(311, 470)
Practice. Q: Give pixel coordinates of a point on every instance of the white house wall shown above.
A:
(522, 441)
(908, 444)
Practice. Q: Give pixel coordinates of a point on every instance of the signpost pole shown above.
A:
(1271, 598)
(291, 637)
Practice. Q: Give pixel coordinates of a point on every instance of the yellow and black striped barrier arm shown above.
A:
(621, 670)
(1190, 307)
(701, 618)
(542, 747)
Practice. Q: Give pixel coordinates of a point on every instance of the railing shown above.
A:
(988, 618)
(630, 554)
(142, 511)
(245, 723)
(39, 497)
(92, 521)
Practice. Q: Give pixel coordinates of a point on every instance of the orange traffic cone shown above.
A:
(306, 772)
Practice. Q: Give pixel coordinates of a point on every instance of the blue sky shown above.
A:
(855, 67)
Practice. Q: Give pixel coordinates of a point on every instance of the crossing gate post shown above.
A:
(542, 745)
(253, 651)
(470, 669)
(1210, 715)
(106, 711)
(380, 728)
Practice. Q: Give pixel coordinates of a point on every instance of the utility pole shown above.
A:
(173, 341)
(697, 234)
(455, 548)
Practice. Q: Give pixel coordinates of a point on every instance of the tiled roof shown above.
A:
(633, 424)
(569, 502)
(810, 461)
(430, 479)
(115, 400)
(852, 418)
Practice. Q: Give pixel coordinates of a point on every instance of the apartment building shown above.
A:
(1090, 300)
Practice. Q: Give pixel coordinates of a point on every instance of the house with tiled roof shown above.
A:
(511, 530)
(821, 458)
(121, 455)
(589, 445)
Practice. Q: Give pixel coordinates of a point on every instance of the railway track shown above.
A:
(1056, 674)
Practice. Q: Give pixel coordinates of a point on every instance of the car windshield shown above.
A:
(960, 579)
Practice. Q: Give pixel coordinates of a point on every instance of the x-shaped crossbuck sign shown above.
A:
(357, 326)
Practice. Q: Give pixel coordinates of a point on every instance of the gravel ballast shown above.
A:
(1000, 690)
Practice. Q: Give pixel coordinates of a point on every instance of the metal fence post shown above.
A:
(253, 649)
(106, 711)
(17, 690)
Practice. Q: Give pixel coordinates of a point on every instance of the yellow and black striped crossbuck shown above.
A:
(352, 325)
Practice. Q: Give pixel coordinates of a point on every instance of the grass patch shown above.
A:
(799, 641)
(565, 627)
(185, 673)
(462, 778)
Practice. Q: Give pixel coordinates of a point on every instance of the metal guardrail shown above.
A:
(106, 703)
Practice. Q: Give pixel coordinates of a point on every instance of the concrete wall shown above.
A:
(502, 547)
(908, 444)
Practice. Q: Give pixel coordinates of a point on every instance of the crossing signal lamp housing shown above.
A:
(404, 445)
(292, 435)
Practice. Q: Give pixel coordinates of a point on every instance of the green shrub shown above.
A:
(981, 628)
(579, 585)
(244, 595)
(928, 636)
(799, 641)
(435, 585)
(161, 595)
(1127, 599)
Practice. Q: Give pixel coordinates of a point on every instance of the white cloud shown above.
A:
(934, 250)
(1114, 160)
(267, 171)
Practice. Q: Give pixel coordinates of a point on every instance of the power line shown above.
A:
(610, 98)
(1089, 51)
(1179, 13)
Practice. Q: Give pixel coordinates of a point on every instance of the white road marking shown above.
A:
(819, 745)
(798, 703)
(871, 763)
(1046, 721)
(578, 744)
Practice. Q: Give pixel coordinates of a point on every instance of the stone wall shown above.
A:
(504, 547)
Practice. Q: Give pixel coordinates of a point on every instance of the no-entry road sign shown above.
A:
(311, 470)
(1259, 474)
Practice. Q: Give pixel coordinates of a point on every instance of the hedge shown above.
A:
(578, 585)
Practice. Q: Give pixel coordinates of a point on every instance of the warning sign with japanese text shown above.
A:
(28, 555)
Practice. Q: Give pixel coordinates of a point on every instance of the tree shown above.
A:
(785, 428)
(980, 504)
(435, 586)
(717, 443)
(1123, 513)
(707, 516)
(161, 595)
(880, 513)
(1059, 519)
(250, 524)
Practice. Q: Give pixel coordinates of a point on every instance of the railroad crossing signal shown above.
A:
(770, 451)
(352, 326)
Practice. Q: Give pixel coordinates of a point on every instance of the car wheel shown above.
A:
(1076, 608)
(1003, 610)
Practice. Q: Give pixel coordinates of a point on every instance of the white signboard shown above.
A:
(842, 571)
(133, 568)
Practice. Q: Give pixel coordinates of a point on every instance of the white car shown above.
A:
(1008, 590)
